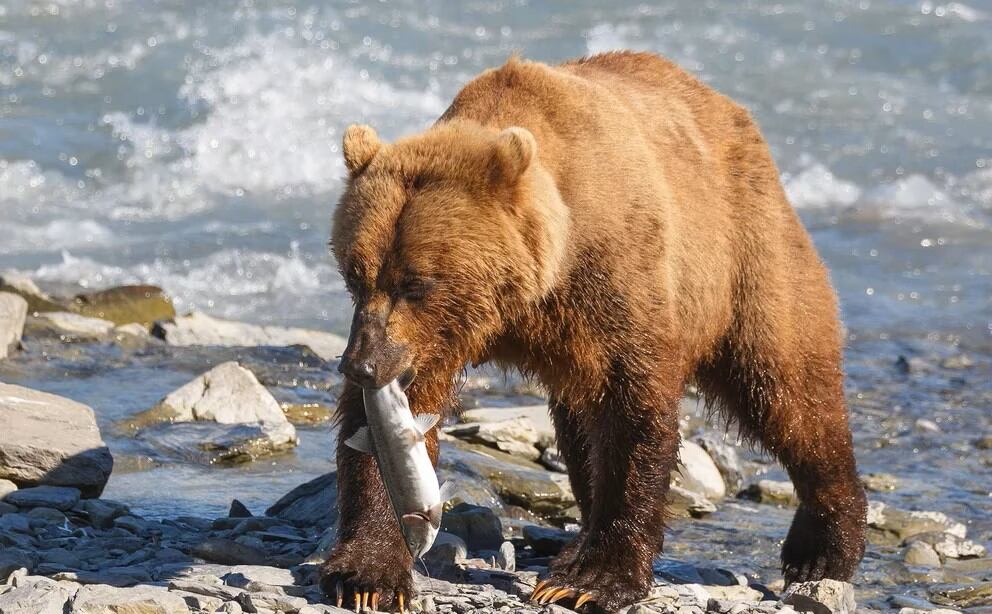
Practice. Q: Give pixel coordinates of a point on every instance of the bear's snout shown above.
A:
(372, 359)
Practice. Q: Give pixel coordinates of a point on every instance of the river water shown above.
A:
(195, 145)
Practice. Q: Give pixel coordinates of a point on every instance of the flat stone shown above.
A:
(974, 595)
(41, 598)
(201, 329)
(100, 512)
(47, 439)
(228, 552)
(697, 472)
(905, 524)
(75, 324)
(210, 443)
(516, 436)
(18, 523)
(58, 497)
(516, 480)
(125, 305)
(821, 597)
(242, 576)
(98, 599)
(950, 546)
(537, 415)
(13, 313)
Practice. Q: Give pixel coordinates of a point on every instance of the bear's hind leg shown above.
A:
(633, 438)
(796, 410)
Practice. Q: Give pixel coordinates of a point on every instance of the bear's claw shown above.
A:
(545, 593)
(365, 599)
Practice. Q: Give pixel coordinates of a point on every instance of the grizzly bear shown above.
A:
(616, 230)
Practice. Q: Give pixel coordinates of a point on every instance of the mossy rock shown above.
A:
(126, 305)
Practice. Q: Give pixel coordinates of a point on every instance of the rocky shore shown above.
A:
(255, 393)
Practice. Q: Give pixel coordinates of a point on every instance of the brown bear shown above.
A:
(616, 230)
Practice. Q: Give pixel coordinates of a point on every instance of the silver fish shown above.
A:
(396, 438)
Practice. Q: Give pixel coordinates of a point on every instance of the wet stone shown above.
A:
(478, 526)
(229, 552)
(238, 510)
(546, 541)
(962, 596)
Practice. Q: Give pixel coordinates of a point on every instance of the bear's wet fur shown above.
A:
(617, 230)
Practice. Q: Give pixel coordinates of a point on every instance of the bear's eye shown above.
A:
(414, 288)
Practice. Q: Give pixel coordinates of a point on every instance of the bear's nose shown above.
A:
(361, 372)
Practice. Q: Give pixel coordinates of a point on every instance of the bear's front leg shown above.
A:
(633, 443)
(370, 565)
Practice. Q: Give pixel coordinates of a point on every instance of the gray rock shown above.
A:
(905, 524)
(210, 443)
(58, 497)
(698, 473)
(13, 312)
(506, 557)
(516, 436)
(227, 394)
(478, 526)
(973, 595)
(724, 455)
(47, 515)
(446, 551)
(950, 546)
(238, 510)
(41, 598)
(100, 512)
(201, 329)
(12, 559)
(313, 504)
(880, 482)
(771, 491)
(259, 602)
(821, 597)
(228, 552)
(242, 576)
(546, 541)
(921, 554)
(684, 502)
(537, 415)
(16, 522)
(47, 439)
(97, 599)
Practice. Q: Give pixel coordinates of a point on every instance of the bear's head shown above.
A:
(443, 240)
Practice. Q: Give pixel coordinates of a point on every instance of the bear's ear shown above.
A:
(515, 150)
(360, 145)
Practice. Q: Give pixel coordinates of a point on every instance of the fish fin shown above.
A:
(360, 440)
(434, 514)
(426, 422)
(449, 490)
(411, 437)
